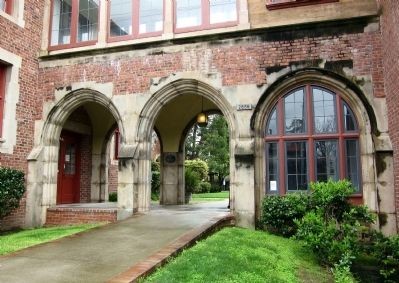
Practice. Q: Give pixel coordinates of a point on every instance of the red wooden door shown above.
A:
(68, 190)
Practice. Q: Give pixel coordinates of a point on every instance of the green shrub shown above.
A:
(113, 197)
(155, 180)
(12, 188)
(280, 212)
(192, 180)
(334, 228)
(215, 188)
(386, 250)
(203, 187)
(155, 185)
(199, 166)
(331, 197)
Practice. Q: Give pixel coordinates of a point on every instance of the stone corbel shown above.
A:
(382, 143)
(244, 151)
(128, 151)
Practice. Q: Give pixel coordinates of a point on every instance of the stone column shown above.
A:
(172, 172)
(126, 182)
(242, 184)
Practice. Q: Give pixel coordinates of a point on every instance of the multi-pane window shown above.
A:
(6, 6)
(135, 18)
(311, 135)
(74, 22)
(204, 14)
(3, 72)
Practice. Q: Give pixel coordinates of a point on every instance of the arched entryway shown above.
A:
(70, 162)
(171, 109)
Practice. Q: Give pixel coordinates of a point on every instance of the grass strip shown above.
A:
(242, 255)
(17, 240)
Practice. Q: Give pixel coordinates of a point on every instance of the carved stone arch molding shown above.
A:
(375, 145)
(43, 159)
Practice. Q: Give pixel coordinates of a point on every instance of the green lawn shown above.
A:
(210, 196)
(242, 255)
(14, 241)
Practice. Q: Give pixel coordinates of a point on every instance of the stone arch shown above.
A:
(373, 142)
(43, 160)
(149, 114)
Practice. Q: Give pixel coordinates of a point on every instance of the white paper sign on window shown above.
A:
(273, 186)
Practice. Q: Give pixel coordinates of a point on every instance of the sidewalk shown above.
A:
(106, 252)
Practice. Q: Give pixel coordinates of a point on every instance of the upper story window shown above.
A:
(280, 4)
(135, 18)
(3, 72)
(311, 135)
(6, 6)
(74, 22)
(204, 14)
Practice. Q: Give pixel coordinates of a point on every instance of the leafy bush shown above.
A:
(203, 187)
(333, 229)
(192, 180)
(331, 197)
(215, 188)
(12, 188)
(199, 166)
(155, 180)
(113, 197)
(386, 250)
(279, 213)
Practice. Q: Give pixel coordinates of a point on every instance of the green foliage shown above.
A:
(199, 166)
(113, 197)
(192, 180)
(331, 197)
(203, 187)
(12, 188)
(386, 250)
(243, 255)
(155, 180)
(211, 144)
(333, 228)
(280, 212)
(215, 188)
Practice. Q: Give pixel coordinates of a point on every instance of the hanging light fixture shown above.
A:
(202, 118)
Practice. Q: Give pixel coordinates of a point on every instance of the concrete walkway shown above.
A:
(103, 253)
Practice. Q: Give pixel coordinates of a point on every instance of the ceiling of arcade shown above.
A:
(175, 117)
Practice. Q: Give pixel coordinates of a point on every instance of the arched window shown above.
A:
(311, 135)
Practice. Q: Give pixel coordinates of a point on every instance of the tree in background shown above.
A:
(211, 144)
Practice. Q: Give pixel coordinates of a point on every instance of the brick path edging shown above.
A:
(161, 257)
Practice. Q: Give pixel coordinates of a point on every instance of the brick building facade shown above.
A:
(244, 65)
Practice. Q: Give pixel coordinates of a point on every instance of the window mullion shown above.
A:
(205, 11)
(310, 131)
(281, 148)
(135, 18)
(74, 21)
(341, 141)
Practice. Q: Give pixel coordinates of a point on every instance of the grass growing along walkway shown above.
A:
(242, 255)
(210, 196)
(18, 240)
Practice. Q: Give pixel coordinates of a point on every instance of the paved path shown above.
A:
(102, 253)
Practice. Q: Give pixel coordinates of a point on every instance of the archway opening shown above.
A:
(84, 157)
(174, 125)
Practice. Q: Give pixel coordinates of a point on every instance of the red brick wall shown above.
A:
(242, 63)
(390, 37)
(67, 216)
(112, 178)
(23, 42)
(85, 168)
